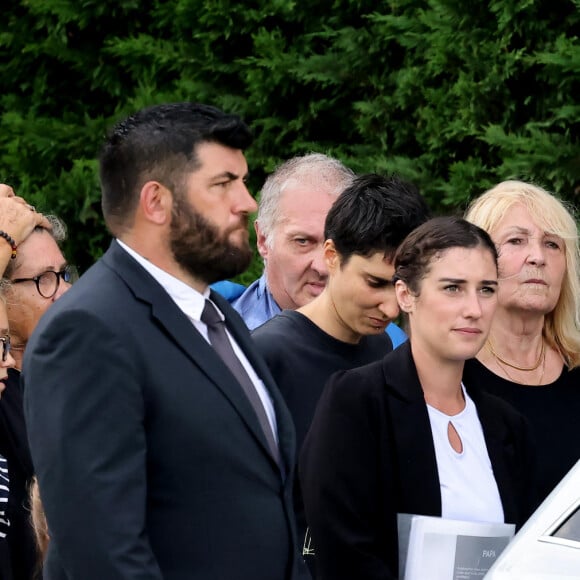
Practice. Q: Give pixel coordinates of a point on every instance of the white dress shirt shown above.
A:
(191, 303)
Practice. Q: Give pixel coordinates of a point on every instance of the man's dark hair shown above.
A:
(159, 143)
(374, 214)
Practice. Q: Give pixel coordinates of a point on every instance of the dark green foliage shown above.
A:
(455, 95)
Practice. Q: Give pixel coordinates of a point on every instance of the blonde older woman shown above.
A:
(532, 355)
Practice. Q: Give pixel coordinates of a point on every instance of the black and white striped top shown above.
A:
(4, 489)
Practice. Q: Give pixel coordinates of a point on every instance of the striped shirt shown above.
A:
(4, 489)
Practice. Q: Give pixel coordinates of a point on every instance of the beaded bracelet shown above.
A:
(11, 241)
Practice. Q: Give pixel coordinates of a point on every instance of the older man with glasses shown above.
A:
(36, 274)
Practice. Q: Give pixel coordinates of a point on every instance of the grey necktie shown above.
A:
(222, 345)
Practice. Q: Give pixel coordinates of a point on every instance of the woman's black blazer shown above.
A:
(369, 455)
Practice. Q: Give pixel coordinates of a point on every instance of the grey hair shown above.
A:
(315, 169)
(58, 232)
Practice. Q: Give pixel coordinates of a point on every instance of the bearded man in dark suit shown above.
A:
(157, 457)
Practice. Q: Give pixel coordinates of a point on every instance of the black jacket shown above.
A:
(370, 455)
(151, 461)
(18, 556)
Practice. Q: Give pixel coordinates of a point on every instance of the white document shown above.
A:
(440, 549)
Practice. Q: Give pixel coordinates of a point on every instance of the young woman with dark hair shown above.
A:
(405, 435)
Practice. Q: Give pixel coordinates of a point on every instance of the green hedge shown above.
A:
(454, 95)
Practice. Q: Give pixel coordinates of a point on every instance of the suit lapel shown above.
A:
(185, 335)
(411, 430)
(497, 441)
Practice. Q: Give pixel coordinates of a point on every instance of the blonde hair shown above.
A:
(562, 325)
(39, 523)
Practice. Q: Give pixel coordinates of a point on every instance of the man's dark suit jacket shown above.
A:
(370, 454)
(150, 459)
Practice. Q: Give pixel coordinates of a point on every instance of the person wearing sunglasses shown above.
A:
(35, 274)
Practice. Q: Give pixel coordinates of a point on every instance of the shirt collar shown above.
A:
(189, 300)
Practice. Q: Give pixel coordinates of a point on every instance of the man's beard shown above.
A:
(199, 248)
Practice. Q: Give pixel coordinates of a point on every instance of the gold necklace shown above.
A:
(520, 382)
(518, 368)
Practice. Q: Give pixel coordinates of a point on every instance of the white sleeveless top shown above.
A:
(468, 487)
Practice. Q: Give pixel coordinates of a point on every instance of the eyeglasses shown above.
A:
(5, 340)
(48, 282)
